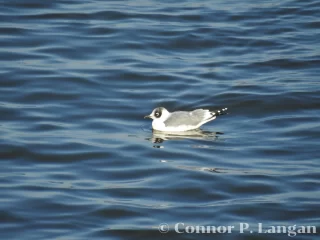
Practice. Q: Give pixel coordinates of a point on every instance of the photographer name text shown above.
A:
(242, 228)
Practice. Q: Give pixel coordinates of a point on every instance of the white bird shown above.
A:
(181, 121)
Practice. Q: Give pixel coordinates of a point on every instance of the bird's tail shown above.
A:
(220, 112)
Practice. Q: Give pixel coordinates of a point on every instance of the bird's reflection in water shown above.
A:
(204, 169)
(197, 134)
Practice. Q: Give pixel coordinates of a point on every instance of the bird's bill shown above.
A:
(148, 116)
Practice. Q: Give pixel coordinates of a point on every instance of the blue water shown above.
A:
(78, 161)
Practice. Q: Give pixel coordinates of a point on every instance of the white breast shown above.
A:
(157, 124)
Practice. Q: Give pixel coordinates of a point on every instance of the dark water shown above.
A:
(78, 161)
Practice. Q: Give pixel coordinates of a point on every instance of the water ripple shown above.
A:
(78, 159)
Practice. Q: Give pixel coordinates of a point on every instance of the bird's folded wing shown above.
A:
(187, 118)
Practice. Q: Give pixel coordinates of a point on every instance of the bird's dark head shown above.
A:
(157, 113)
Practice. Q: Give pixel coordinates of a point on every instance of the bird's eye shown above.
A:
(157, 114)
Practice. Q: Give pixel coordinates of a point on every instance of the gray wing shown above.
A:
(188, 118)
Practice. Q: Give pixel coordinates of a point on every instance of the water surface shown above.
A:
(78, 161)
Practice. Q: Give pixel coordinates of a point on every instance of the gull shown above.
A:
(180, 121)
